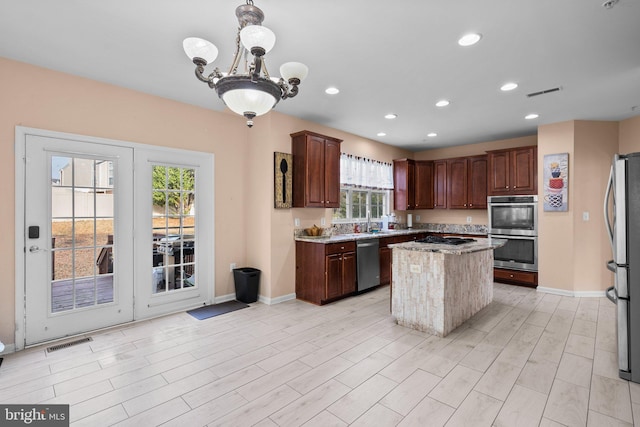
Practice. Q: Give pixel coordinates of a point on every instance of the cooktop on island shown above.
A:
(446, 240)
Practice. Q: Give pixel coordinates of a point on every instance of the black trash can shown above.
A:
(247, 281)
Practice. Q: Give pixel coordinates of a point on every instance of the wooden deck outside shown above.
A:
(87, 292)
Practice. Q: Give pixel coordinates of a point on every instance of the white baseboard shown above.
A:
(261, 298)
(566, 293)
(277, 300)
(224, 298)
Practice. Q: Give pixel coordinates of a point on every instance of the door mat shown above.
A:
(208, 311)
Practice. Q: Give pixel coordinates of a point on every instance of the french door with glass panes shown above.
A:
(173, 215)
(113, 232)
(78, 246)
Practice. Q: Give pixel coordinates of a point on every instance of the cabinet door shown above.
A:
(524, 171)
(424, 185)
(385, 265)
(477, 182)
(457, 183)
(499, 173)
(348, 273)
(403, 184)
(440, 184)
(315, 176)
(333, 270)
(332, 174)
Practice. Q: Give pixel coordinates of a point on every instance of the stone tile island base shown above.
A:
(436, 292)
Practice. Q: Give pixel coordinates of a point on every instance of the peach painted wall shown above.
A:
(459, 216)
(572, 252)
(630, 135)
(595, 144)
(555, 229)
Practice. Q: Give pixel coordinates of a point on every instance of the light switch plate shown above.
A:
(296, 222)
(323, 221)
(585, 216)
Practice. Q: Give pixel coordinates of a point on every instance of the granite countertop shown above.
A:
(481, 244)
(435, 228)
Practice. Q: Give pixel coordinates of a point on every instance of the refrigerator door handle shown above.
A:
(611, 294)
(607, 219)
(611, 266)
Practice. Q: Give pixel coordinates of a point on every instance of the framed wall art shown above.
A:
(282, 180)
(556, 182)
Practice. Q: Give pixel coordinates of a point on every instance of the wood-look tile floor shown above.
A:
(528, 359)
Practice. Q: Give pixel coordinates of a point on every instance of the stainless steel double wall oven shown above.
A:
(515, 219)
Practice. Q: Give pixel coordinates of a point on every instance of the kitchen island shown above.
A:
(437, 287)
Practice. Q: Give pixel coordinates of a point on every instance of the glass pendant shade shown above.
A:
(195, 47)
(241, 101)
(290, 70)
(257, 36)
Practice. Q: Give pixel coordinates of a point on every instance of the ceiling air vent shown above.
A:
(543, 92)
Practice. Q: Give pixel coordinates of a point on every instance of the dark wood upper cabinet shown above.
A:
(457, 183)
(412, 184)
(513, 171)
(316, 170)
(404, 173)
(467, 182)
(439, 184)
(424, 184)
(477, 182)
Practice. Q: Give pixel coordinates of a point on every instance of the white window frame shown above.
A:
(349, 206)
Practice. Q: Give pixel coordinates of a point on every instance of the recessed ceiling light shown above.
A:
(531, 116)
(508, 86)
(469, 39)
(442, 103)
(432, 134)
(332, 90)
(382, 134)
(390, 116)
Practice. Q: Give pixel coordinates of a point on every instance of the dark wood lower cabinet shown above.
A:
(325, 272)
(516, 277)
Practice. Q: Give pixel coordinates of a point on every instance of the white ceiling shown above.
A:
(384, 56)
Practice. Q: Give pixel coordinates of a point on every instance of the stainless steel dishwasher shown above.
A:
(368, 260)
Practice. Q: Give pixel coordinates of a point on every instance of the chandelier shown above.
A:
(252, 91)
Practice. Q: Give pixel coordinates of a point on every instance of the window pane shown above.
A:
(173, 199)
(341, 212)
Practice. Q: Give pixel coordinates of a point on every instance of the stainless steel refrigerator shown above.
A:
(622, 217)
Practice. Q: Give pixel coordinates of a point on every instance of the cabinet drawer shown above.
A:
(336, 248)
(515, 276)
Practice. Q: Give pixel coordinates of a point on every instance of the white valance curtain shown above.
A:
(360, 172)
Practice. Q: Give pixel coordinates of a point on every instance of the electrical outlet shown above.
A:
(417, 217)
(585, 216)
(469, 219)
(232, 266)
(296, 222)
(323, 221)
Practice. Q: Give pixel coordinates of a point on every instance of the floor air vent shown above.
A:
(543, 92)
(68, 344)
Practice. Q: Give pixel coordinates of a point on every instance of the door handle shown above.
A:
(33, 249)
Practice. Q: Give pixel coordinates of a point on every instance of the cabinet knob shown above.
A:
(470, 205)
(511, 275)
(341, 247)
(465, 205)
(507, 187)
(514, 187)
